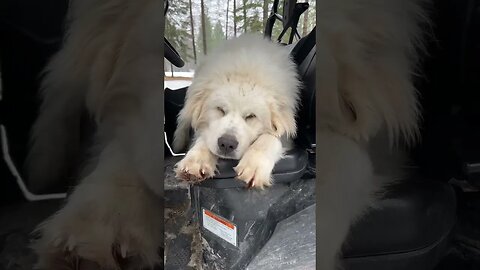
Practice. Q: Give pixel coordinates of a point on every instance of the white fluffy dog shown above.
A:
(241, 105)
(110, 65)
(367, 54)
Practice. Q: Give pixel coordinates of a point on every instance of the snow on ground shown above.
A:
(176, 84)
(180, 74)
(179, 79)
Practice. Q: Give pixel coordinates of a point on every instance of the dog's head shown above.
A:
(231, 116)
(247, 87)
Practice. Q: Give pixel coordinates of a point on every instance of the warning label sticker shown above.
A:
(220, 226)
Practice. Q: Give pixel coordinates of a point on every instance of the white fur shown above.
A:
(367, 54)
(110, 64)
(247, 89)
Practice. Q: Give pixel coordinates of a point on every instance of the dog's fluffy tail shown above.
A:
(55, 138)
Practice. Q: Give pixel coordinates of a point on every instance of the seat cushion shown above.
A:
(412, 219)
(173, 100)
(290, 168)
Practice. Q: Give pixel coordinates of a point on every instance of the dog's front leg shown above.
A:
(111, 220)
(198, 164)
(345, 188)
(255, 167)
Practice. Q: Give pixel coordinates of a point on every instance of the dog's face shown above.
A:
(232, 118)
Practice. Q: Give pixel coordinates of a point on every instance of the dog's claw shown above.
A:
(70, 243)
(123, 251)
(238, 173)
(57, 242)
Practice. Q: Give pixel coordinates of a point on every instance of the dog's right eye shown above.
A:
(221, 110)
(250, 116)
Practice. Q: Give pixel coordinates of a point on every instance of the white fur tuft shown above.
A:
(376, 46)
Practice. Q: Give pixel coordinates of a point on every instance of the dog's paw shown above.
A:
(196, 166)
(255, 169)
(110, 232)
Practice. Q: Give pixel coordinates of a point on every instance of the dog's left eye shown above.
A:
(221, 110)
(250, 116)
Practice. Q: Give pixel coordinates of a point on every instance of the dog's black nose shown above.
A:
(227, 143)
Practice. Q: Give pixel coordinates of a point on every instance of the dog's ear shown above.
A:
(197, 106)
(282, 121)
(191, 116)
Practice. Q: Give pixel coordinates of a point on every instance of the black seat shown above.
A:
(410, 229)
(30, 32)
(304, 54)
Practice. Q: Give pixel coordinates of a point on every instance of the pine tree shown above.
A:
(266, 4)
(176, 25)
(204, 36)
(204, 32)
(226, 20)
(254, 21)
(217, 35)
(234, 18)
(192, 32)
(245, 23)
